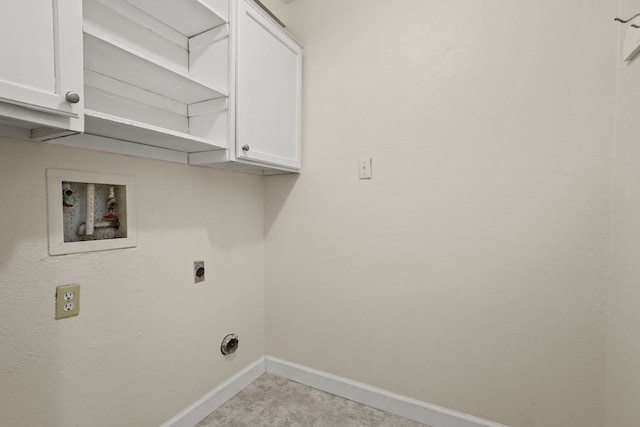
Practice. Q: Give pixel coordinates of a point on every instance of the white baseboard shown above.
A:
(432, 415)
(218, 396)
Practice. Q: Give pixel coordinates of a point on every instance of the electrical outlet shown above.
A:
(67, 301)
(198, 271)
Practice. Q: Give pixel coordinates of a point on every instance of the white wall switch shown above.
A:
(364, 168)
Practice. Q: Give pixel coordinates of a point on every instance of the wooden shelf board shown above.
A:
(118, 61)
(189, 17)
(107, 125)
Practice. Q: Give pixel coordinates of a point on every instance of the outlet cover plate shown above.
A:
(67, 301)
(364, 168)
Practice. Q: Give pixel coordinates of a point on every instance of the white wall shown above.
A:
(623, 349)
(147, 341)
(471, 271)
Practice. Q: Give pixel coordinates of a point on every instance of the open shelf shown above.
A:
(107, 125)
(118, 61)
(189, 17)
(156, 75)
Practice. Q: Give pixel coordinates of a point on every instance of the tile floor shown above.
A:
(278, 402)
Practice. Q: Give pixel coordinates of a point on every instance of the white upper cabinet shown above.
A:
(265, 96)
(269, 64)
(41, 88)
(206, 82)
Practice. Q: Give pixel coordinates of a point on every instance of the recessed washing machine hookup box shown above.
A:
(90, 211)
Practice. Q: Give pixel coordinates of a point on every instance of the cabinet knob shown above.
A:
(72, 98)
(246, 147)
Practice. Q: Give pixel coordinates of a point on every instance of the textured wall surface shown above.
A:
(623, 349)
(471, 271)
(147, 341)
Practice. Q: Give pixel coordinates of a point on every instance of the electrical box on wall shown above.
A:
(90, 211)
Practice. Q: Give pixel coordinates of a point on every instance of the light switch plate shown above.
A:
(67, 301)
(364, 168)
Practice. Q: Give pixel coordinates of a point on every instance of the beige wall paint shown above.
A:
(147, 341)
(623, 349)
(470, 272)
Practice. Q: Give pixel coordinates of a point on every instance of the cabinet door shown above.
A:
(41, 51)
(268, 89)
